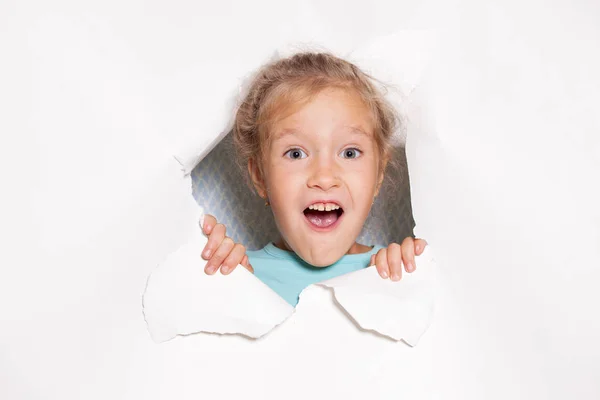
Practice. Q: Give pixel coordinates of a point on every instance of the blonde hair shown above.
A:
(285, 85)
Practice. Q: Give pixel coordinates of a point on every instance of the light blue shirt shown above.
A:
(287, 274)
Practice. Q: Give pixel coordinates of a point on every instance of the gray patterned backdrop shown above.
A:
(218, 186)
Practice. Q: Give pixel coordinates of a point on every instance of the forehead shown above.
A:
(347, 130)
(339, 110)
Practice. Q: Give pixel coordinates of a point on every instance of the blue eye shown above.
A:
(351, 153)
(295, 154)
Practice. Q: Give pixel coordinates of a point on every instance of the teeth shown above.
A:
(323, 207)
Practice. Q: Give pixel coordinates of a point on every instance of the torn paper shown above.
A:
(181, 299)
(399, 77)
(503, 169)
(399, 310)
(179, 286)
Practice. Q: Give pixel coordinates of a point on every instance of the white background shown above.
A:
(504, 162)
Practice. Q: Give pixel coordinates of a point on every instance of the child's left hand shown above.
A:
(389, 261)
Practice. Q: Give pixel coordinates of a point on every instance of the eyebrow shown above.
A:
(285, 133)
(355, 130)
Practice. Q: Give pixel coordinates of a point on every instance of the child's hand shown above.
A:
(221, 251)
(389, 261)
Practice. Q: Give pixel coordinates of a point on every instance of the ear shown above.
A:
(256, 177)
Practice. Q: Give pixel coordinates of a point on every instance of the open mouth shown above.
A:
(323, 220)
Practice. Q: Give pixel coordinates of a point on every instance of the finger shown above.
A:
(394, 258)
(372, 260)
(209, 224)
(246, 264)
(214, 241)
(408, 254)
(420, 246)
(220, 255)
(381, 264)
(234, 258)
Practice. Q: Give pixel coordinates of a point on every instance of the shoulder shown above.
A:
(268, 257)
(269, 251)
(259, 254)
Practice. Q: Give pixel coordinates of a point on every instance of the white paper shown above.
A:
(400, 75)
(180, 299)
(503, 152)
(399, 310)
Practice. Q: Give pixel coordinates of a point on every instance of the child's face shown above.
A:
(319, 155)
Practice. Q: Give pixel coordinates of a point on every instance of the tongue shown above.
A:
(322, 219)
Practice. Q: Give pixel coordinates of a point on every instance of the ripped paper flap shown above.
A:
(180, 299)
(399, 310)
(399, 75)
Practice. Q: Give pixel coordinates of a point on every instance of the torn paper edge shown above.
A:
(170, 290)
(190, 156)
(220, 322)
(415, 327)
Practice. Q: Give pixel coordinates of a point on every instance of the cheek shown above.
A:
(364, 176)
(284, 182)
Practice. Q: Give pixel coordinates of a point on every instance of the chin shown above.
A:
(321, 249)
(325, 257)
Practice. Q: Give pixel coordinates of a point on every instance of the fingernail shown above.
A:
(409, 267)
(395, 277)
(383, 274)
(418, 248)
(210, 270)
(207, 253)
(224, 269)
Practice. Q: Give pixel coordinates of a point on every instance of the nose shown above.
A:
(324, 174)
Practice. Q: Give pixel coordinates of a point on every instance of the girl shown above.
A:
(314, 135)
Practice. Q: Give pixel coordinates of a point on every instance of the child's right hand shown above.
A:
(221, 251)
